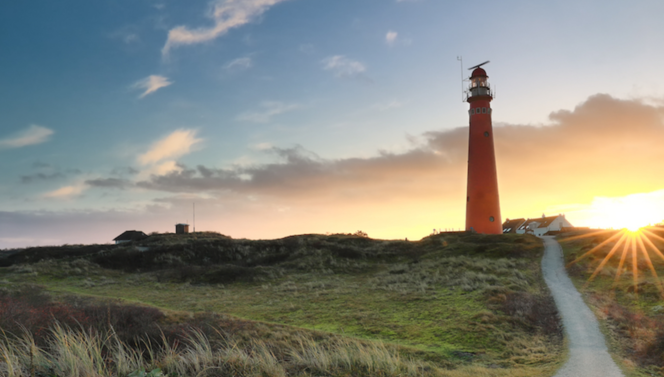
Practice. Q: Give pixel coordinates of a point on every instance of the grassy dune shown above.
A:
(632, 319)
(452, 304)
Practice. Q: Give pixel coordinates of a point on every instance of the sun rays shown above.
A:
(633, 248)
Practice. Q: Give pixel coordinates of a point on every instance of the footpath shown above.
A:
(588, 355)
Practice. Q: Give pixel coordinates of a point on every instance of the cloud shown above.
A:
(41, 177)
(604, 147)
(151, 84)
(118, 183)
(270, 109)
(239, 64)
(126, 34)
(391, 37)
(226, 15)
(48, 172)
(343, 67)
(39, 164)
(302, 174)
(307, 48)
(174, 145)
(65, 192)
(128, 170)
(30, 136)
(165, 167)
(262, 146)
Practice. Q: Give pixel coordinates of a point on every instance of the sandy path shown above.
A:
(588, 355)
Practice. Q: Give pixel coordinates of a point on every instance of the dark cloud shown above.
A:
(109, 183)
(48, 173)
(300, 172)
(124, 171)
(41, 177)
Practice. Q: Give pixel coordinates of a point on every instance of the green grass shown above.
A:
(455, 300)
(632, 320)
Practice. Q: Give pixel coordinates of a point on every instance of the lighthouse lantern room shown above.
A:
(482, 202)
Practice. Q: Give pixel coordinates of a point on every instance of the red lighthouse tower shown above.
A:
(482, 204)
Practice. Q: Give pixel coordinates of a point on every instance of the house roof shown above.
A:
(130, 235)
(538, 222)
(546, 221)
(510, 226)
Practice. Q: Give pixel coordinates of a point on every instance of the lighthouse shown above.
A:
(482, 203)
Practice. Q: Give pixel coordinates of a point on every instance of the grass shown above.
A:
(75, 353)
(632, 320)
(465, 304)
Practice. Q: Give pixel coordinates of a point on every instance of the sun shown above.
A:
(631, 212)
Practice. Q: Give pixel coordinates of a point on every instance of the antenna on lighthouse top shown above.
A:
(477, 66)
(463, 92)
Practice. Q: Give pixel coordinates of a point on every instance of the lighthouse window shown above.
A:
(472, 111)
(491, 219)
(484, 110)
(486, 134)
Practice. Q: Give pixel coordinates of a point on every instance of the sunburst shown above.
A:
(632, 246)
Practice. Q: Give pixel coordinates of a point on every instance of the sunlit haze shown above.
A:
(282, 117)
(631, 212)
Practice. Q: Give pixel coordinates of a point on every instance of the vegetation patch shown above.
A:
(457, 301)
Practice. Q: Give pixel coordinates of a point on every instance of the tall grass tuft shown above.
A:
(77, 353)
(353, 356)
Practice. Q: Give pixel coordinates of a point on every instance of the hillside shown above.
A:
(463, 303)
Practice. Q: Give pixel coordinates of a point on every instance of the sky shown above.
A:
(282, 117)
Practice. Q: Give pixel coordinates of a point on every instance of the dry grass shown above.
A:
(86, 354)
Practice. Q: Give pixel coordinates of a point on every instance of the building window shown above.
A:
(491, 219)
(484, 110)
(486, 134)
(472, 111)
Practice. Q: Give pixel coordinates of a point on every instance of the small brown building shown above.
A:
(181, 228)
(130, 235)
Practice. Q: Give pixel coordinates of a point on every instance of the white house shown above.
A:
(537, 226)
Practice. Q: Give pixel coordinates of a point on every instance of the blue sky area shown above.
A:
(282, 117)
